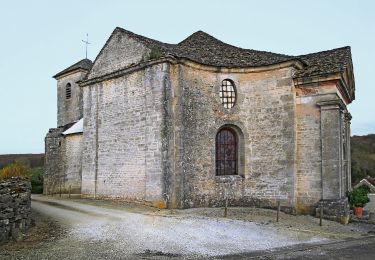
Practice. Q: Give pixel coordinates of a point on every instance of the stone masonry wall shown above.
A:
(310, 135)
(73, 164)
(54, 162)
(69, 110)
(122, 147)
(15, 207)
(308, 153)
(120, 51)
(263, 117)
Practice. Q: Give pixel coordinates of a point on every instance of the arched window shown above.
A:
(68, 91)
(227, 93)
(226, 152)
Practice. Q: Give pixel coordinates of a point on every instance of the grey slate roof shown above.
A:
(85, 64)
(205, 49)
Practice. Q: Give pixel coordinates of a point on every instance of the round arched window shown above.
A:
(227, 93)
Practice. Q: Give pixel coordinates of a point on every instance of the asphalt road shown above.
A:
(359, 249)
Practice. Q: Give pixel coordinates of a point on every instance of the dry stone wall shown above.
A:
(15, 207)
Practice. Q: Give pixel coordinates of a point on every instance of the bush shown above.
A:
(358, 196)
(19, 169)
(16, 169)
(36, 178)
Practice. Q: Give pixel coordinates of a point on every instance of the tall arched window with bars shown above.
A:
(226, 152)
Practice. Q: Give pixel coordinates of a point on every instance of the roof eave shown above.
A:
(64, 73)
(345, 86)
(295, 63)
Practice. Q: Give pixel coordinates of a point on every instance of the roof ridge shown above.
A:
(200, 32)
(325, 51)
(142, 38)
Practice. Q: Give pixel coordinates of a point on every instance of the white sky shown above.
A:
(40, 38)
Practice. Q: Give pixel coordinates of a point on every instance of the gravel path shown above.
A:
(103, 230)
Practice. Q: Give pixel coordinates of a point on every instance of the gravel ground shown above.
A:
(115, 230)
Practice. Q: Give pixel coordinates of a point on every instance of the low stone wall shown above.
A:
(336, 210)
(370, 206)
(15, 207)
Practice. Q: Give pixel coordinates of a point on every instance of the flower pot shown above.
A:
(358, 211)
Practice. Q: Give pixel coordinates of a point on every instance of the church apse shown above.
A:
(151, 112)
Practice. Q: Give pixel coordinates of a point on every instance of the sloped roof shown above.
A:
(206, 49)
(75, 128)
(85, 64)
(203, 48)
(325, 62)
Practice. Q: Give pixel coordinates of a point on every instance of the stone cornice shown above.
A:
(332, 104)
(174, 60)
(339, 78)
(71, 72)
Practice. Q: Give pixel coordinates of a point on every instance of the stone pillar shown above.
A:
(331, 140)
(334, 201)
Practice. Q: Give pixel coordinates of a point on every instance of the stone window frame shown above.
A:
(228, 93)
(216, 90)
(68, 91)
(221, 142)
(241, 169)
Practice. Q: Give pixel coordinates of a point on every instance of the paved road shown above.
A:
(359, 249)
(101, 232)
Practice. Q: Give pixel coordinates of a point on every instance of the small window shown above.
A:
(226, 152)
(68, 91)
(227, 93)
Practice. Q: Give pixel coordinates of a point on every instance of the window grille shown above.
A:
(227, 93)
(226, 152)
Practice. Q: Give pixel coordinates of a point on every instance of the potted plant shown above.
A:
(358, 199)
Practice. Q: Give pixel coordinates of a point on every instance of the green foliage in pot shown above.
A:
(358, 196)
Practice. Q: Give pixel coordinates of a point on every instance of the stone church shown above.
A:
(195, 123)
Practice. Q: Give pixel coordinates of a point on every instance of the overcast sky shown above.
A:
(40, 38)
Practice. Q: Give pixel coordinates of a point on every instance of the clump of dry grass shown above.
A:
(16, 169)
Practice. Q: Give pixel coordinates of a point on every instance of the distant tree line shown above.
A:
(363, 157)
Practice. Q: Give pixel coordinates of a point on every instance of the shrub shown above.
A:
(155, 54)
(36, 178)
(358, 196)
(16, 169)
(20, 169)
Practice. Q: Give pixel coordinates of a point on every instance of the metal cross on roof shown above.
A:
(86, 42)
